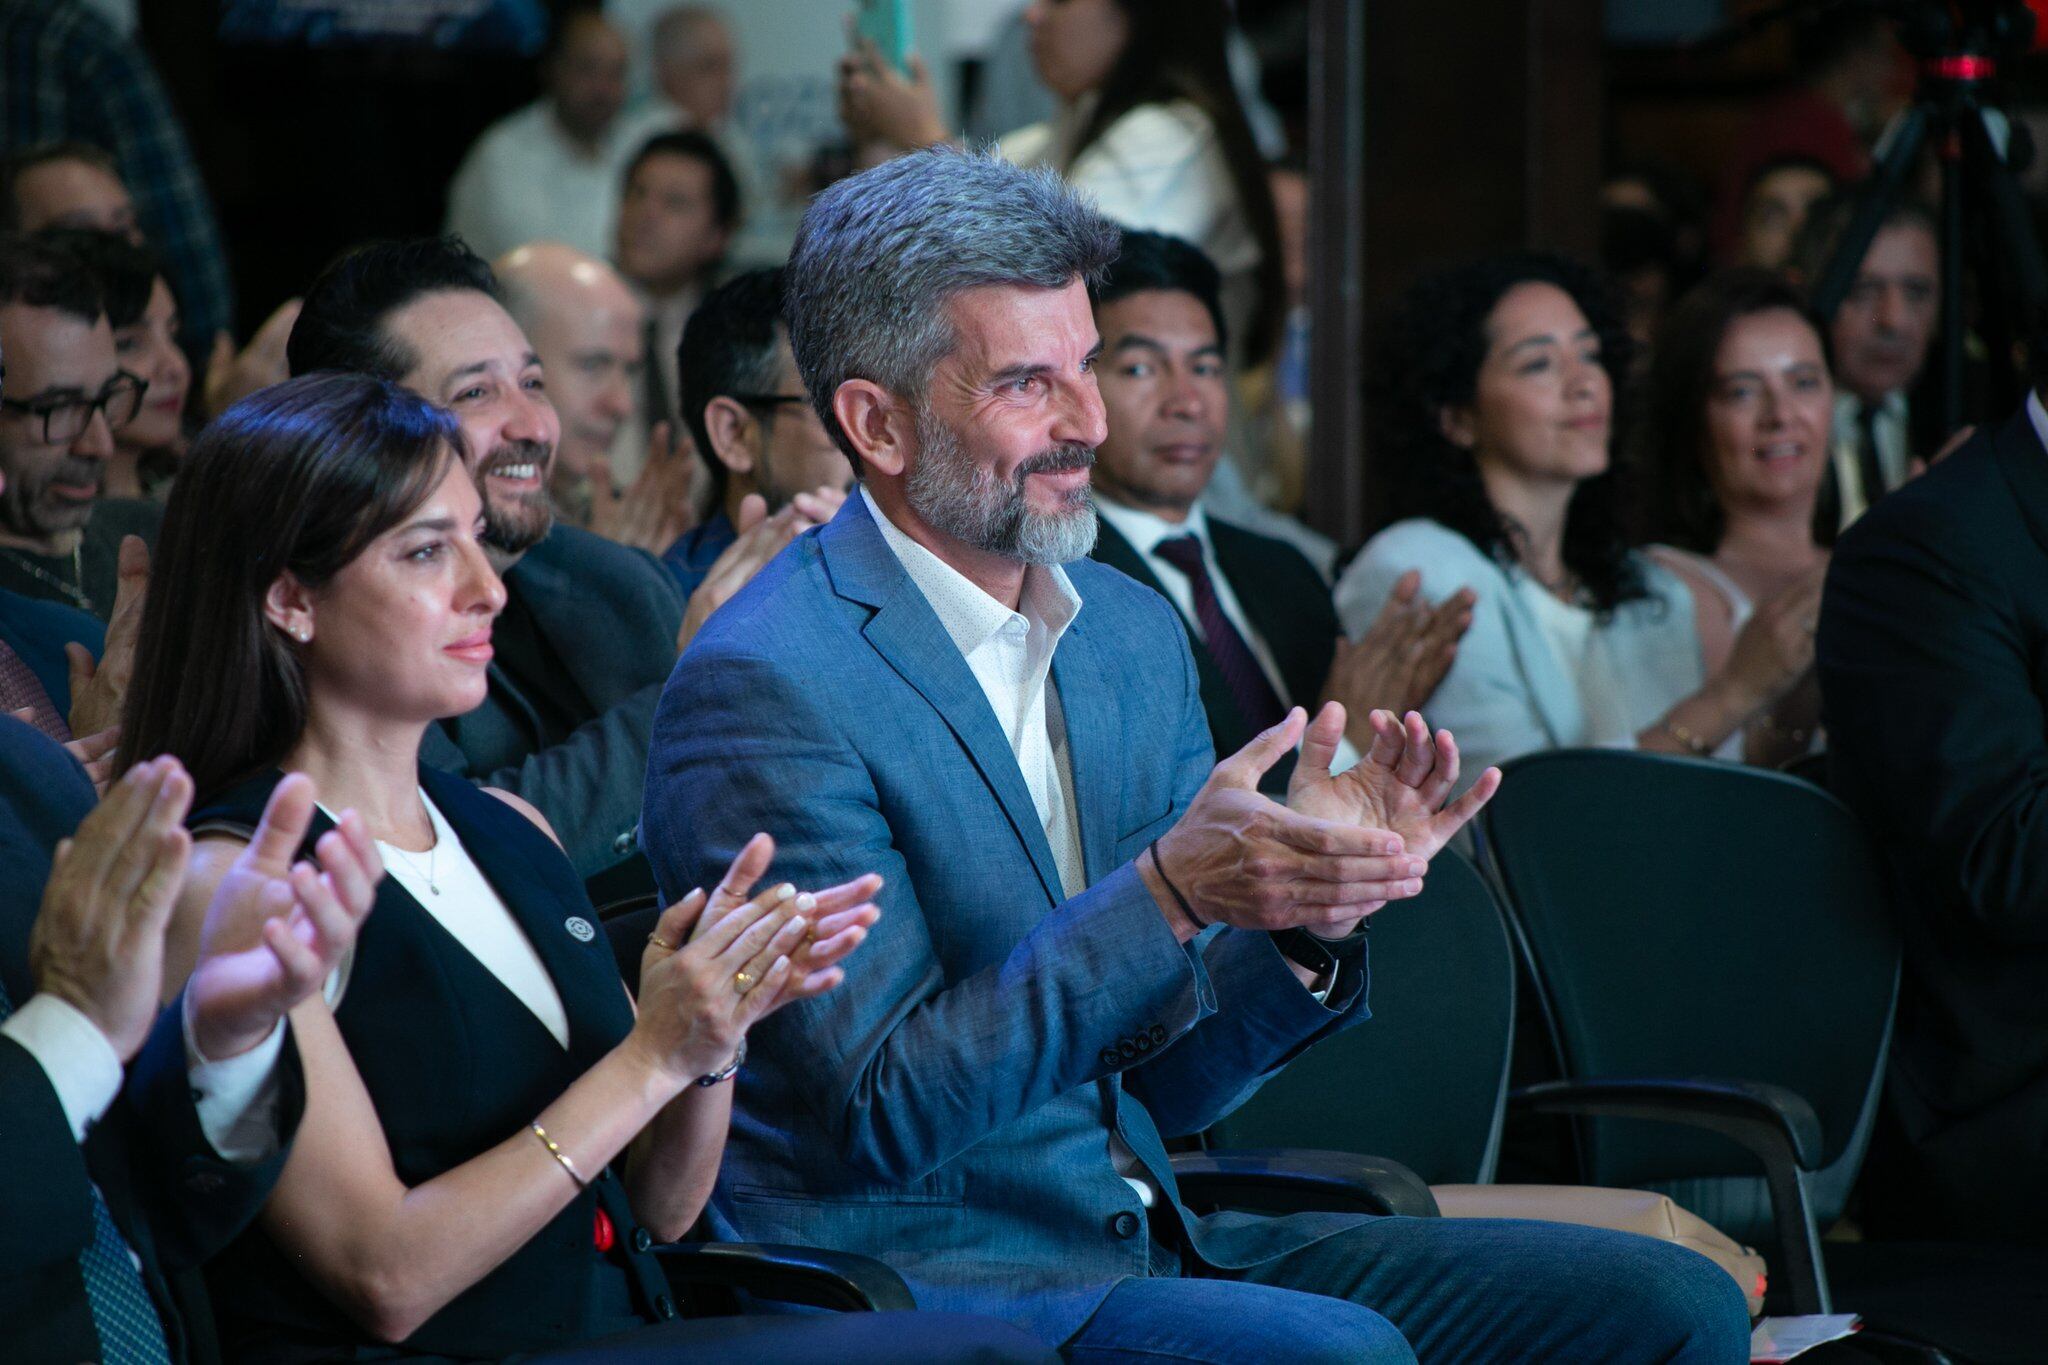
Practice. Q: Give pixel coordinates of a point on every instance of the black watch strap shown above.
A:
(1321, 955)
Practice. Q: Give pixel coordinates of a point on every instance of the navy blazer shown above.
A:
(612, 615)
(949, 1107)
(174, 1199)
(1933, 659)
(39, 630)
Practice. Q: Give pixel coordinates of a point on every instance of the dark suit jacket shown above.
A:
(39, 630)
(612, 614)
(1287, 603)
(174, 1199)
(1933, 655)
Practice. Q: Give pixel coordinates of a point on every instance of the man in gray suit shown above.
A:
(590, 628)
(1090, 940)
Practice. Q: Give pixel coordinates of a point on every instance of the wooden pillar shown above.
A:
(1437, 132)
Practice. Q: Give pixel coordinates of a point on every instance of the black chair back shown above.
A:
(1424, 1081)
(1689, 918)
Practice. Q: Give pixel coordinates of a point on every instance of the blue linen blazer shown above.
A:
(949, 1107)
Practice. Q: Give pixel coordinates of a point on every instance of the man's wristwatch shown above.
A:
(729, 1070)
(1323, 956)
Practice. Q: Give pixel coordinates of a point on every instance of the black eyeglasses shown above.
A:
(66, 419)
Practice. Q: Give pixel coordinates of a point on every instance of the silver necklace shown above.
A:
(74, 590)
(433, 854)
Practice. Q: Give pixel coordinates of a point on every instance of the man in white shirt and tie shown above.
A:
(1258, 614)
(1879, 337)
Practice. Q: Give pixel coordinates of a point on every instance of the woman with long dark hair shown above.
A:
(1730, 451)
(1150, 125)
(493, 1136)
(1493, 408)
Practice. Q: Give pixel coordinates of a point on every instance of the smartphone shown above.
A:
(886, 23)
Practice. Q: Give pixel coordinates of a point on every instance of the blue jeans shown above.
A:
(1437, 1289)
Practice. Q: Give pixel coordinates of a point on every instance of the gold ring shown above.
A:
(725, 890)
(658, 941)
(740, 982)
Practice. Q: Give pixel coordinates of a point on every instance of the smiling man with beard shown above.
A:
(590, 628)
(1093, 936)
(60, 541)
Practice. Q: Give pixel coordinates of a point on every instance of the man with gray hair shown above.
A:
(1093, 936)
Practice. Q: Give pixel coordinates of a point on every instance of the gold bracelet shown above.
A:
(558, 1154)
(1694, 745)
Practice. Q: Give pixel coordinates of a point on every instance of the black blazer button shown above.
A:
(1109, 1057)
(1128, 1048)
(664, 1306)
(642, 1239)
(1144, 1042)
(1124, 1225)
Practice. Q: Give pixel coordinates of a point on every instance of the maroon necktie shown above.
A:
(1256, 700)
(20, 688)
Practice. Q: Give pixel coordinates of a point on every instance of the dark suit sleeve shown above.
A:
(1935, 716)
(588, 786)
(908, 1068)
(1264, 1016)
(45, 1195)
(195, 1202)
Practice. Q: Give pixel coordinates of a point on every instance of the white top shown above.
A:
(1888, 427)
(1010, 654)
(1568, 627)
(1159, 167)
(470, 909)
(525, 181)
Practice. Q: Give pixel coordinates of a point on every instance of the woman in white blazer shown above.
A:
(1493, 415)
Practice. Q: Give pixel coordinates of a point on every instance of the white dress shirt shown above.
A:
(526, 180)
(236, 1098)
(1147, 531)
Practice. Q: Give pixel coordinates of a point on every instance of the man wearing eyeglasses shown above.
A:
(746, 409)
(60, 541)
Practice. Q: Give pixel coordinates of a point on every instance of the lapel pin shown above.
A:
(579, 928)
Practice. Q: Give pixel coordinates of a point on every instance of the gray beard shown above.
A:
(953, 494)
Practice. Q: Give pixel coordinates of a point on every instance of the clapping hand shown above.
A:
(717, 964)
(277, 925)
(99, 689)
(1400, 784)
(657, 508)
(761, 538)
(1402, 657)
(98, 940)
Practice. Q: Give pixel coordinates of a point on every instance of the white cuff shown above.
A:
(82, 1065)
(236, 1098)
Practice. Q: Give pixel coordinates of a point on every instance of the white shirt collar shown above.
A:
(1145, 530)
(1891, 406)
(971, 617)
(2038, 415)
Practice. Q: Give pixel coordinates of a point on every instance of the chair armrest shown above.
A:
(1765, 1118)
(1777, 1125)
(787, 1274)
(1298, 1179)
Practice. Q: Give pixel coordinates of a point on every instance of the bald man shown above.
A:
(550, 172)
(585, 324)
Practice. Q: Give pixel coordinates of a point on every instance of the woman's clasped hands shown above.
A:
(717, 964)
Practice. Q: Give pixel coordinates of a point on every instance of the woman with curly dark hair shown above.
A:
(1493, 410)
(1731, 448)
